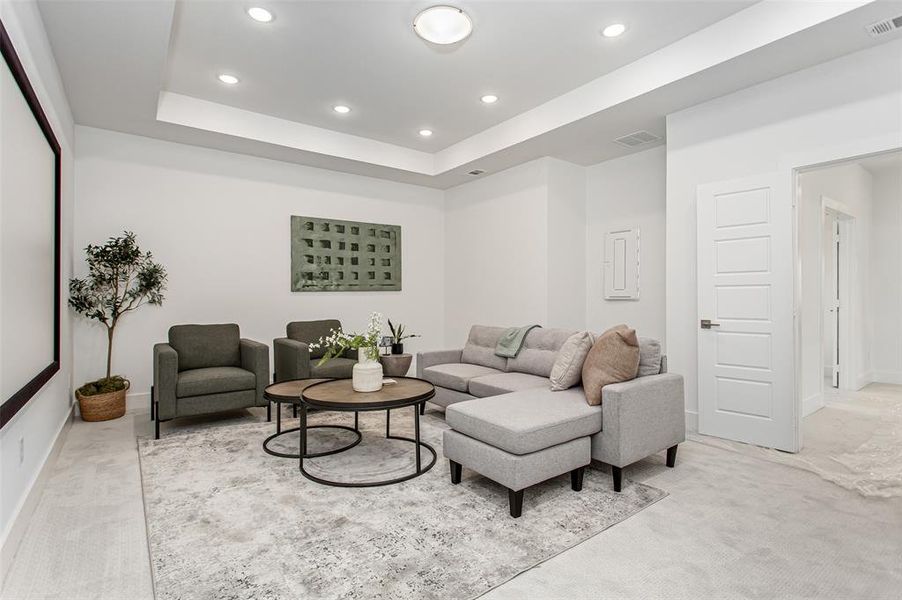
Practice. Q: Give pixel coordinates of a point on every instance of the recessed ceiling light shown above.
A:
(443, 25)
(489, 99)
(260, 14)
(613, 30)
(229, 79)
(425, 132)
(342, 109)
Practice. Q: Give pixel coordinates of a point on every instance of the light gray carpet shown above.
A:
(226, 520)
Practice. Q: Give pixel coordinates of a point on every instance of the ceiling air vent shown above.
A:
(475, 172)
(885, 26)
(637, 138)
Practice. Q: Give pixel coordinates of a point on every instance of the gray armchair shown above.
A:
(206, 369)
(294, 360)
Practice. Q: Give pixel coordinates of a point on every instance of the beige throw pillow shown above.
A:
(613, 358)
(568, 365)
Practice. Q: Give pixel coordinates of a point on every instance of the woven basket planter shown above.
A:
(102, 407)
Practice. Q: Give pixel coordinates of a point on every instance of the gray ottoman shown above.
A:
(522, 438)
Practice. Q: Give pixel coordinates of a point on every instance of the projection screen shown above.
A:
(29, 239)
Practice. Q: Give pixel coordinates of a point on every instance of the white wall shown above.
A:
(219, 223)
(886, 277)
(496, 251)
(38, 424)
(850, 185)
(851, 102)
(566, 244)
(626, 192)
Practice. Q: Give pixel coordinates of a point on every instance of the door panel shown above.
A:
(745, 279)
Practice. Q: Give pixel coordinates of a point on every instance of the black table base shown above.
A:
(420, 469)
(280, 432)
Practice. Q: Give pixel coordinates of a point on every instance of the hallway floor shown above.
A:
(733, 526)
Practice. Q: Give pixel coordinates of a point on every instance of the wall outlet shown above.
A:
(21, 450)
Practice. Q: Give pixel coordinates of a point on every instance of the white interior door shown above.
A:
(833, 300)
(745, 293)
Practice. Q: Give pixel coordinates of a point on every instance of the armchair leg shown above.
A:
(156, 422)
(269, 412)
(294, 409)
(671, 456)
(576, 478)
(152, 408)
(456, 469)
(423, 408)
(618, 477)
(516, 502)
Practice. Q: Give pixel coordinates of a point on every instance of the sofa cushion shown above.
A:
(455, 376)
(613, 358)
(201, 346)
(336, 368)
(214, 380)
(539, 351)
(312, 331)
(649, 357)
(504, 383)
(568, 366)
(480, 347)
(526, 421)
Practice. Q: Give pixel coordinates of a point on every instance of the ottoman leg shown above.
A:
(456, 469)
(618, 477)
(576, 478)
(671, 456)
(516, 502)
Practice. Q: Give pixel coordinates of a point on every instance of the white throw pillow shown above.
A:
(568, 366)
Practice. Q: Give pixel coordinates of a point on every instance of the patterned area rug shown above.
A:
(226, 520)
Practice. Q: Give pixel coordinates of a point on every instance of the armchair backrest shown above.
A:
(202, 346)
(312, 331)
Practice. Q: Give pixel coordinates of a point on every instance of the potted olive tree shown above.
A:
(121, 278)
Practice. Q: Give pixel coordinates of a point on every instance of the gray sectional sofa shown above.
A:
(508, 425)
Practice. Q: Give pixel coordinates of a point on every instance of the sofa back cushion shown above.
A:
(649, 357)
(312, 331)
(202, 346)
(539, 351)
(480, 347)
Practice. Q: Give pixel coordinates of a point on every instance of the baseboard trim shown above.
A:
(864, 379)
(812, 404)
(139, 402)
(887, 377)
(691, 421)
(9, 545)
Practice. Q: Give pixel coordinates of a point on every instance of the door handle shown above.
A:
(707, 324)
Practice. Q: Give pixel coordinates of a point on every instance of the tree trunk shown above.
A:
(109, 350)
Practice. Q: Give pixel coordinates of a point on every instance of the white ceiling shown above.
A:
(366, 55)
(149, 67)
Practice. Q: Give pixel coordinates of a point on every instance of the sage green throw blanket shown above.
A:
(511, 341)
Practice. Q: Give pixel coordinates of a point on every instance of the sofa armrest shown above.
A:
(292, 359)
(437, 357)
(255, 358)
(165, 380)
(639, 418)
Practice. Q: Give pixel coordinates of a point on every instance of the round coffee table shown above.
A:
(339, 395)
(289, 392)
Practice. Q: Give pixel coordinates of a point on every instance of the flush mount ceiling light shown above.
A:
(489, 99)
(425, 132)
(259, 14)
(228, 79)
(341, 109)
(613, 30)
(443, 25)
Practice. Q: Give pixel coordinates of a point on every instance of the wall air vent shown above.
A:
(637, 138)
(475, 172)
(885, 26)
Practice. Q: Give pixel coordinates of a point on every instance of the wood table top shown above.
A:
(338, 394)
(289, 391)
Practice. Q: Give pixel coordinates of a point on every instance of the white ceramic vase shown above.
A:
(367, 374)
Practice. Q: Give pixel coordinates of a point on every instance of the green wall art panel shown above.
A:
(328, 255)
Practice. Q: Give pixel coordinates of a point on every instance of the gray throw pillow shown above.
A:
(568, 366)
(649, 357)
